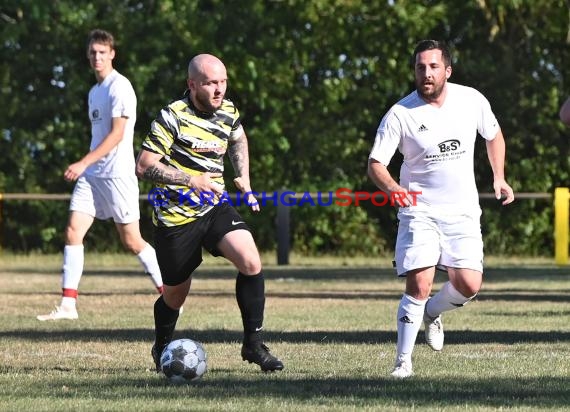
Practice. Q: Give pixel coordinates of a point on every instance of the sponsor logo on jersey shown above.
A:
(202, 146)
(446, 150)
(449, 145)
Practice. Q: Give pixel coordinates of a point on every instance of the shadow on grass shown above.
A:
(324, 336)
(219, 386)
(353, 294)
(515, 274)
(539, 392)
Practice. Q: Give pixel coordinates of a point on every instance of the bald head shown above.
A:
(207, 82)
(203, 64)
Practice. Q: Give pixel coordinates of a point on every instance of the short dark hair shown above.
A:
(424, 45)
(101, 36)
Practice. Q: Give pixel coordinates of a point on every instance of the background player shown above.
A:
(107, 186)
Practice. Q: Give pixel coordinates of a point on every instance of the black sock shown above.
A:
(164, 322)
(250, 295)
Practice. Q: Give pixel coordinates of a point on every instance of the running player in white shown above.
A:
(435, 128)
(107, 186)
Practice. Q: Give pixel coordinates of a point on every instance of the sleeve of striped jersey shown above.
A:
(237, 129)
(163, 131)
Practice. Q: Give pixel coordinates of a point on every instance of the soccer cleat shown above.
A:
(60, 313)
(156, 357)
(402, 370)
(434, 332)
(258, 353)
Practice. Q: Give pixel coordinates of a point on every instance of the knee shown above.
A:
(467, 289)
(133, 244)
(250, 265)
(131, 248)
(418, 289)
(72, 237)
(175, 296)
(420, 293)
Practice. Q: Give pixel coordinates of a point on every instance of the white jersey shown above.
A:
(114, 97)
(438, 146)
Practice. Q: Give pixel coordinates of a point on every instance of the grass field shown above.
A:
(332, 323)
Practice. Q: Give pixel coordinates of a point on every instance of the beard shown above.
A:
(204, 103)
(433, 94)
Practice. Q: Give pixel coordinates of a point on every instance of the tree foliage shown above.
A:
(312, 81)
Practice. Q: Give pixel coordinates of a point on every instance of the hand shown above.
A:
(502, 188)
(400, 197)
(74, 171)
(204, 183)
(244, 186)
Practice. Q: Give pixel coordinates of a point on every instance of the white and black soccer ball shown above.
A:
(184, 360)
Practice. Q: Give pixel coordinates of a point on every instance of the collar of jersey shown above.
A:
(198, 112)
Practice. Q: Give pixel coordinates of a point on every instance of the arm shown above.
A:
(565, 112)
(239, 156)
(111, 141)
(381, 177)
(150, 168)
(496, 153)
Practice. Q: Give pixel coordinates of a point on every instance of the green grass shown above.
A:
(333, 324)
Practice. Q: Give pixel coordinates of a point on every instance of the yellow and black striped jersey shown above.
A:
(194, 142)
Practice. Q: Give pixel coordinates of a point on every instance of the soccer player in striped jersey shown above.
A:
(107, 186)
(435, 128)
(183, 154)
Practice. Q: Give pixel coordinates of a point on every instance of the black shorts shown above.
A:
(179, 248)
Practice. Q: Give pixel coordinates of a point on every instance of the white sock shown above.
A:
(68, 302)
(410, 318)
(147, 257)
(448, 298)
(73, 260)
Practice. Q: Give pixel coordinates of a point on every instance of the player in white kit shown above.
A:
(435, 128)
(107, 186)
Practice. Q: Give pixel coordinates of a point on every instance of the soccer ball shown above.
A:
(184, 360)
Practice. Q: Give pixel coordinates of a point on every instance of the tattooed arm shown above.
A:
(239, 156)
(150, 168)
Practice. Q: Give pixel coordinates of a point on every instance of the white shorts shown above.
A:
(105, 198)
(446, 240)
